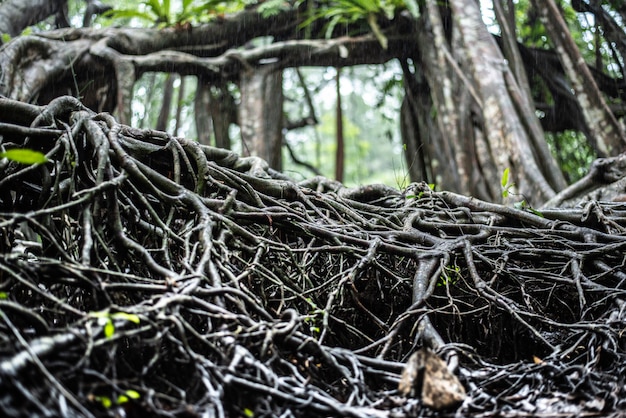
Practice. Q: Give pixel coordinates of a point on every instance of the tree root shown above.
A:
(176, 279)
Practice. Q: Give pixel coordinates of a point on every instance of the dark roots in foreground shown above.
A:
(145, 275)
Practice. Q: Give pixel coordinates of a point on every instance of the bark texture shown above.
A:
(607, 135)
(17, 15)
(261, 114)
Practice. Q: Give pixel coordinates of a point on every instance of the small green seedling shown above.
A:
(523, 205)
(314, 316)
(431, 186)
(506, 185)
(449, 276)
(506, 191)
(107, 402)
(106, 318)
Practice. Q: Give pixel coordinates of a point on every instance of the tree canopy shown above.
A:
(147, 274)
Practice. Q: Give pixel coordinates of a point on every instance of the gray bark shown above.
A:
(17, 15)
(261, 114)
(606, 134)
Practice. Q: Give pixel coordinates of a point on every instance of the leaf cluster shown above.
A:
(121, 399)
(163, 14)
(347, 12)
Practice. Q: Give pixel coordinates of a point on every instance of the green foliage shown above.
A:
(523, 205)
(315, 317)
(107, 402)
(505, 184)
(127, 395)
(24, 156)
(273, 7)
(431, 186)
(346, 12)
(450, 275)
(572, 152)
(532, 32)
(164, 14)
(373, 151)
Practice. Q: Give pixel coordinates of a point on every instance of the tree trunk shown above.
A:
(179, 106)
(487, 123)
(166, 103)
(607, 136)
(261, 114)
(339, 151)
(201, 111)
(416, 130)
(223, 114)
(17, 15)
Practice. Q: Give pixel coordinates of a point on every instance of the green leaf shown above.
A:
(109, 329)
(131, 14)
(24, 156)
(155, 6)
(272, 7)
(382, 39)
(122, 399)
(505, 177)
(4, 295)
(412, 7)
(106, 402)
(133, 394)
(126, 316)
(248, 412)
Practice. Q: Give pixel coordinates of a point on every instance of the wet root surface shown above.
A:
(145, 275)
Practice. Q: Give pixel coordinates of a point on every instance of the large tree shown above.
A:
(145, 274)
(472, 99)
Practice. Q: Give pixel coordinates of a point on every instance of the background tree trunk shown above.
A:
(17, 15)
(201, 104)
(607, 135)
(480, 111)
(261, 114)
(223, 113)
(339, 151)
(166, 104)
(417, 127)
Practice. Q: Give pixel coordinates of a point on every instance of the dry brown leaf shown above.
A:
(425, 371)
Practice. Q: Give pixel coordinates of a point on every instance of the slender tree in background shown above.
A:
(339, 153)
